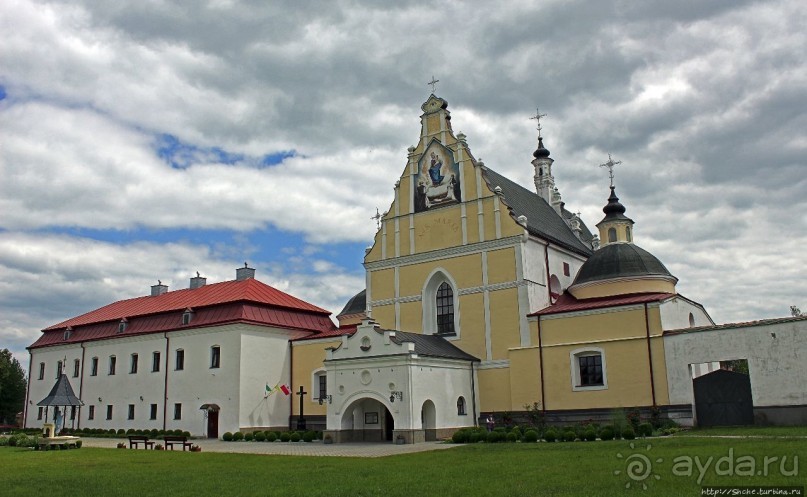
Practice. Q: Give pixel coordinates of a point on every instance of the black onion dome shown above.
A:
(620, 260)
(356, 305)
(613, 209)
(540, 152)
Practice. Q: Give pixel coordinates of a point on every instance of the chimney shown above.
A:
(198, 281)
(244, 273)
(158, 289)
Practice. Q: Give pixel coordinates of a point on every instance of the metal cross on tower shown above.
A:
(537, 117)
(433, 83)
(610, 165)
(377, 218)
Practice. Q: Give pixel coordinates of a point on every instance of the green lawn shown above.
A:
(557, 469)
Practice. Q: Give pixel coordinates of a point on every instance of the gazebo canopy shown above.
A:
(61, 394)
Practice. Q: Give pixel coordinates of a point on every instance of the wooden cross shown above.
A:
(537, 118)
(301, 419)
(433, 83)
(610, 165)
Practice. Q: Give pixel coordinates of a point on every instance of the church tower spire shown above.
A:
(544, 181)
(615, 227)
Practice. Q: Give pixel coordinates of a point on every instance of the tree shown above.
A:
(12, 387)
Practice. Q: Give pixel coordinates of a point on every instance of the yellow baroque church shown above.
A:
(514, 290)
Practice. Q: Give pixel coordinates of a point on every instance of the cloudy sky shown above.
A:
(150, 140)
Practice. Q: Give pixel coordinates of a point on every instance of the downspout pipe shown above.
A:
(649, 355)
(291, 383)
(165, 385)
(28, 390)
(81, 382)
(541, 360)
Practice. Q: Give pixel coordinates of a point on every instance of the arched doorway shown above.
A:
(212, 414)
(428, 420)
(366, 420)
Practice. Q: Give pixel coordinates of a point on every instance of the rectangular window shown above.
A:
(112, 363)
(177, 411)
(58, 369)
(109, 412)
(323, 386)
(180, 360)
(72, 413)
(131, 412)
(153, 414)
(155, 362)
(41, 370)
(94, 367)
(590, 370)
(566, 271)
(91, 414)
(39, 413)
(76, 368)
(133, 368)
(215, 356)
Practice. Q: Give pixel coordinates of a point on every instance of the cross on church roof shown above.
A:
(433, 83)
(537, 117)
(377, 218)
(610, 165)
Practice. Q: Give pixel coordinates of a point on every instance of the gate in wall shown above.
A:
(723, 398)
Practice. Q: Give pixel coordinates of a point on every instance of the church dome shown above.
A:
(620, 260)
(540, 152)
(357, 304)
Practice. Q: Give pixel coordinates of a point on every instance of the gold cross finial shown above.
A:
(537, 117)
(610, 165)
(433, 83)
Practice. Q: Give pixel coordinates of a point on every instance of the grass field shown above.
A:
(557, 469)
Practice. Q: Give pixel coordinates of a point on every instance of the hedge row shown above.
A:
(272, 436)
(121, 433)
(587, 432)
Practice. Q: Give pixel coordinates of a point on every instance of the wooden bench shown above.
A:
(170, 441)
(135, 440)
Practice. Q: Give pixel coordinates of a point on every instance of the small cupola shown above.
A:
(615, 227)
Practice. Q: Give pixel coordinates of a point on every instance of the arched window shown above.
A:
(441, 309)
(215, 357)
(445, 310)
(691, 320)
(461, 406)
(611, 234)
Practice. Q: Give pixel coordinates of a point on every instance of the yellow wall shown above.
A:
(307, 358)
(502, 265)
(504, 322)
(622, 288)
(525, 380)
(493, 389)
(382, 284)
(472, 325)
(465, 270)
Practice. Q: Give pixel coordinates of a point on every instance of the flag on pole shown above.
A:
(285, 389)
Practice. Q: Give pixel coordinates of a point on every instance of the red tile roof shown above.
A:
(246, 301)
(567, 303)
(249, 290)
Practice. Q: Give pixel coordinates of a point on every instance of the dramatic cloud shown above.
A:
(145, 140)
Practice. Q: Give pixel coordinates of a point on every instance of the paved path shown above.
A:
(293, 448)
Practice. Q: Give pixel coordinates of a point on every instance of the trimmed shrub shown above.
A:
(186, 434)
(285, 436)
(295, 437)
(121, 432)
(569, 436)
(628, 433)
(248, 437)
(309, 436)
(550, 435)
(238, 436)
(607, 433)
(3, 441)
(130, 431)
(271, 436)
(590, 435)
(495, 437)
(154, 432)
(531, 436)
(78, 444)
(227, 437)
(475, 437)
(513, 436)
(518, 433)
(259, 436)
(12, 441)
(645, 430)
(460, 436)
